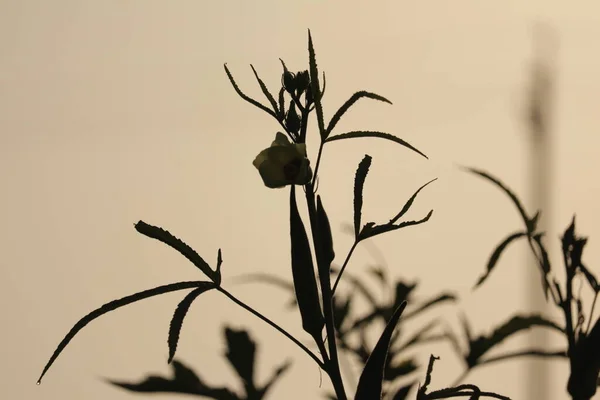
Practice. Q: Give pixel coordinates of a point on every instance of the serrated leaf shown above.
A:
(281, 101)
(267, 94)
(375, 134)
(370, 230)
(315, 87)
(481, 345)
(349, 103)
(371, 379)
(305, 284)
(496, 255)
(111, 306)
(507, 191)
(184, 381)
(409, 203)
(359, 183)
(247, 98)
(179, 315)
(167, 238)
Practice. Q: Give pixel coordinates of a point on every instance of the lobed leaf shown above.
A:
(267, 94)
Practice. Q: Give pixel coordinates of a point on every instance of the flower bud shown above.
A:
(288, 81)
(292, 120)
(302, 81)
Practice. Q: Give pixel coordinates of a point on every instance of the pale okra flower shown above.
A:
(283, 163)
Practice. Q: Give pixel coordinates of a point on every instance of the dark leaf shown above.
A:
(496, 255)
(111, 306)
(371, 379)
(303, 273)
(346, 106)
(267, 94)
(315, 87)
(167, 238)
(326, 252)
(359, 182)
(482, 344)
(179, 315)
(409, 203)
(247, 98)
(381, 135)
(184, 381)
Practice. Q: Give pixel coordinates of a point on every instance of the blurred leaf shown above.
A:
(441, 298)
(409, 203)
(247, 98)
(544, 263)
(376, 134)
(167, 238)
(111, 306)
(359, 286)
(316, 90)
(371, 379)
(481, 345)
(184, 381)
(590, 278)
(419, 336)
(341, 309)
(394, 371)
(585, 365)
(526, 220)
(303, 273)
(241, 351)
(179, 315)
(267, 94)
(402, 393)
(342, 110)
(496, 255)
(262, 392)
(359, 183)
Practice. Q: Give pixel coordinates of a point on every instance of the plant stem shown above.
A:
(318, 162)
(273, 324)
(337, 280)
(332, 365)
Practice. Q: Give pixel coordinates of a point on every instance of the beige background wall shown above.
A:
(115, 111)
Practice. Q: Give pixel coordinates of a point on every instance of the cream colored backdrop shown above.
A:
(115, 111)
